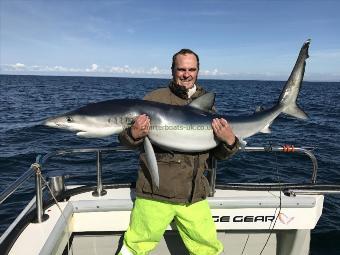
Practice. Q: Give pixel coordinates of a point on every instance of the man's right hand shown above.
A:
(140, 127)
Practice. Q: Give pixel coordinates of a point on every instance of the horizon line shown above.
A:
(201, 77)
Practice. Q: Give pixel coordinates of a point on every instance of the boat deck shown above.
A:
(171, 244)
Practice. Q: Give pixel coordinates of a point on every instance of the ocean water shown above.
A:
(26, 100)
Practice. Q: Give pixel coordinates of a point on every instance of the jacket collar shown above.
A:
(182, 92)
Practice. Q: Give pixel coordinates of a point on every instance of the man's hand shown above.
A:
(223, 131)
(140, 127)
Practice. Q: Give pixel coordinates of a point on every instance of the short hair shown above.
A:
(183, 52)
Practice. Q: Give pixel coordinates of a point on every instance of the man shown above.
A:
(183, 188)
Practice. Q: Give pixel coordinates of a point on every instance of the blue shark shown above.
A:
(180, 128)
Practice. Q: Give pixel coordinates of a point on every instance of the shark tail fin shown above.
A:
(292, 87)
(295, 111)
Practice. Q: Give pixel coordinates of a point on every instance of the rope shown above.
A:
(286, 148)
(271, 228)
(245, 244)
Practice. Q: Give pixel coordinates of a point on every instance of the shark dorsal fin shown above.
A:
(204, 103)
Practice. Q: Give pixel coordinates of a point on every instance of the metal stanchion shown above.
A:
(41, 217)
(99, 192)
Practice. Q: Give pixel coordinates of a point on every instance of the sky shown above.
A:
(247, 40)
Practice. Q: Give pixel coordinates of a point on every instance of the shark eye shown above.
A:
(68, 119)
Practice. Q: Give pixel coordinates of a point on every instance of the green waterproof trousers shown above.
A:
(150, 218)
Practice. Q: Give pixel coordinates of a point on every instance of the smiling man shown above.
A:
(183, 187)
(185, 70)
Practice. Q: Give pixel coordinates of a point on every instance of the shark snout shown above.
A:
(49, 123)
(53, 123)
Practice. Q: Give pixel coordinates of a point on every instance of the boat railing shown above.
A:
(41, 160)
(269, 148)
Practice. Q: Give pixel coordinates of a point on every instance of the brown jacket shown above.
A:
(181, 177)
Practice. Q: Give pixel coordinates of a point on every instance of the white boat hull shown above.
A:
(244, 221)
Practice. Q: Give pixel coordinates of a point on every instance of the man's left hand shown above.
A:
(223, 131)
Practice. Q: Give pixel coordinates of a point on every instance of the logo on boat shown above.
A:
(241, 218)
(285, 219)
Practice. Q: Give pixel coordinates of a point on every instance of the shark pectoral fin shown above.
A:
(91, 134)
(100, 133)
(87, 134)
(204, 103)
(151, 161)
(295, 111)
(266, 129)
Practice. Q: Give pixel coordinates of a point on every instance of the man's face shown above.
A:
(185, 71)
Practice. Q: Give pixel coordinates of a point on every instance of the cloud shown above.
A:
(17, 66)
(127, 71)
(59, 69)
(155, 70)
(94, 68)
(211, 73)
(119, 69)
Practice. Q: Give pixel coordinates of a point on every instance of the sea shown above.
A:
(25, 101)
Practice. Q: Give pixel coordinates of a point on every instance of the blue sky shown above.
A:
(234, 39)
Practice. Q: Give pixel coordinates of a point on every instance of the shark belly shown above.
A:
(184, 138)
